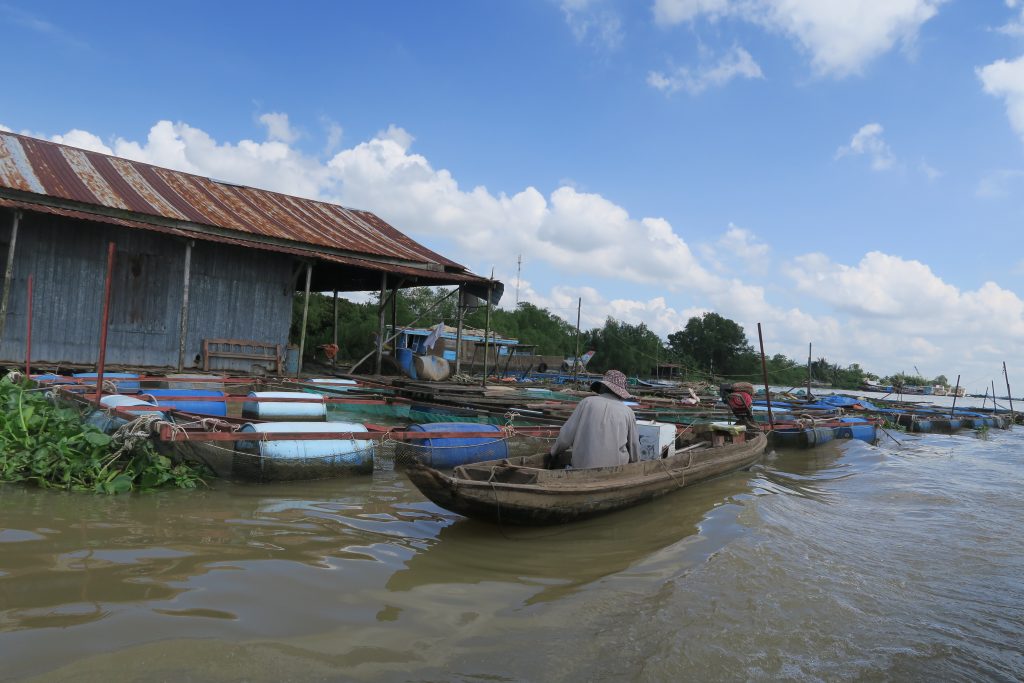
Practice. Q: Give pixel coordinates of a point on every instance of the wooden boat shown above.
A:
(523, 490)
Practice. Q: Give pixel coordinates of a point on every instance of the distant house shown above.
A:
(196, 260)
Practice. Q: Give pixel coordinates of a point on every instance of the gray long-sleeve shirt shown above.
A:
(601, 432)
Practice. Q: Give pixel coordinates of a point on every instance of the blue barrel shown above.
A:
(449, 452)
(218, 408)
(118, 378)
(108, 422)
(405, 362)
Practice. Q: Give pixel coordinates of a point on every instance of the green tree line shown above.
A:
(710, 347)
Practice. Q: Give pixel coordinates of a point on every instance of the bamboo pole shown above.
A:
(28, 333)
(380, 322)
(764, 371)
(458, 331)
(955, 392)
(487, 334)
(984, 401)
(808, 369)
(183, 333)
(305, 315)
(994, 406)
(576, 358)
(1009, 394)
(101, 361)
(9, 272)
(334, 361)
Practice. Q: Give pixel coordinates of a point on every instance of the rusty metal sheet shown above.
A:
(92, 179)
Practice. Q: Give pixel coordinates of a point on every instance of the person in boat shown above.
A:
(740, 399)
(602, 430)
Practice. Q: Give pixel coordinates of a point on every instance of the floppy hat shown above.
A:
(615, 381)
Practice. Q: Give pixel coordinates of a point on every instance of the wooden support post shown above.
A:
(101, 361)
(458, 331)
(487, 334)
(764, 371)
(183, 334)
(809, 346)
(955, 392)
(334, 361)
(9, 272)
(380, 322)
(394, 317)
(994, 406)
(28, 334)
(576, 358)
(1009, 394)
(305, 315)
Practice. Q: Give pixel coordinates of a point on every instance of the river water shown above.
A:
(848, 562)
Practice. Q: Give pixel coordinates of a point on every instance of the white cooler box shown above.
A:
(655, 437)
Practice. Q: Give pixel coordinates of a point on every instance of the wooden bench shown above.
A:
(243, 349)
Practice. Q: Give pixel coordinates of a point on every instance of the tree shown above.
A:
(717, 344)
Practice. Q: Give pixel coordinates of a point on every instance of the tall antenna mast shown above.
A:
(519, 271)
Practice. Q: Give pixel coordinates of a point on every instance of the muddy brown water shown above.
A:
(848, 562)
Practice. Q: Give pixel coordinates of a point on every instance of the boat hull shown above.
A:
(560, 496)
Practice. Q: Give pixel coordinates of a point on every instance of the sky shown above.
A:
(848, 173)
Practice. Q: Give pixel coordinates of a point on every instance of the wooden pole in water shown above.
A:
(334, 361)
(487, 333)
(576, 358)
(458, 331)
(955, 392)
(1009, 395)
(809, 345)
(984, 400)
(764, 371)
(183, 324)
(380, 322)
(305, 315)
(994, 406)
(28, 333)
(9, 272)
(101, 361)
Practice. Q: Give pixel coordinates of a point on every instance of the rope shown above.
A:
(131, 434)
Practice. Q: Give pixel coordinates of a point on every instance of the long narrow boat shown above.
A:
(522, 490)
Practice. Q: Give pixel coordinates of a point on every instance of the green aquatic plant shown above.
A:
(48, 445)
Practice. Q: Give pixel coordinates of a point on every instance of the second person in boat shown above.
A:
(602, 430)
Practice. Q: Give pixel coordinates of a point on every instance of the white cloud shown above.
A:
(5, 128)
(929, 171)
(1014, 27)
(868, 141)
(591, 21)
(737, 63)
(841, 36)
(1006, 80)
(83, 139)
(1001, 183)
(737, 246)
(278, 127)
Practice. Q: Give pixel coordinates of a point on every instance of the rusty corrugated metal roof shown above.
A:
(92, 179)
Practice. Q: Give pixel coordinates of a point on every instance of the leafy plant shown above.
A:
(48, 445)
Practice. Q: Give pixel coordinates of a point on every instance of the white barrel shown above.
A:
(334, 381)
(108, 423)
(314, 409)
(333, 451)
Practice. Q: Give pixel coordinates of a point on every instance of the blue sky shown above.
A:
(847, 173)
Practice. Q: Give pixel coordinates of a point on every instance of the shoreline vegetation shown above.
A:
(50, 446)
(710, 348)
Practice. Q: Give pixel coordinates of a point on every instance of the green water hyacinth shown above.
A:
(47, 445)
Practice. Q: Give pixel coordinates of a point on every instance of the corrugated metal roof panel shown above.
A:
(46, 168)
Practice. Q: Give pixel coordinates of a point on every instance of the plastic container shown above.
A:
(109, 423)
(218, 408)
(118, 378)
(404, 356)
(449, 452)
(313, 409)
(334, 381)
(656, 439)
(327, 451)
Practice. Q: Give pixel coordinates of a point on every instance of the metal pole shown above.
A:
(955, 392)
(28, 333)
(101, 361)
(334, 361)
(8, 273)
(305, 314)
(576, 358)
(458, 333)
(808, 370)
(1009, 395)
(764, 371)
(380, 322)
(184, 305)
(487, 334)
